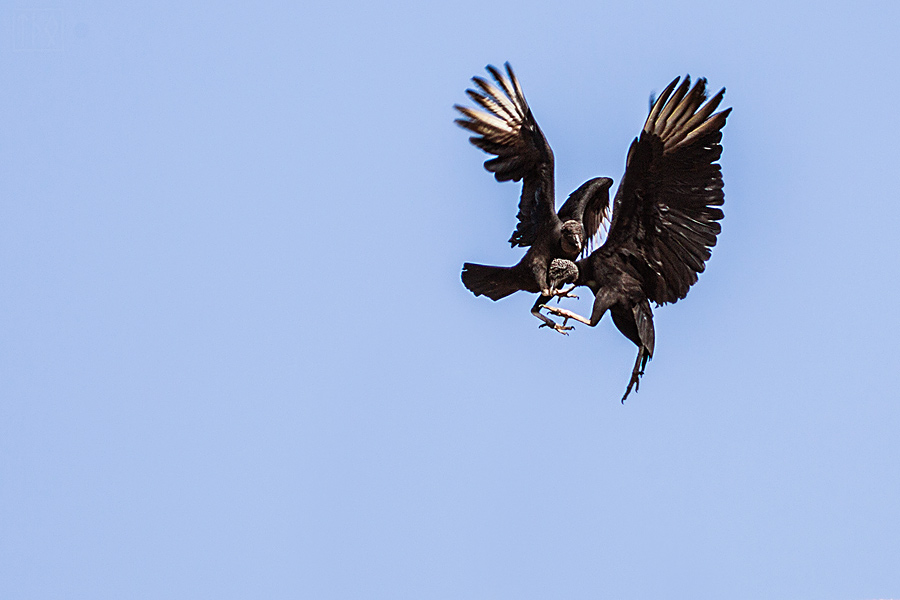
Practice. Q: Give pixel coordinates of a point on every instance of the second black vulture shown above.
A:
(665, 218)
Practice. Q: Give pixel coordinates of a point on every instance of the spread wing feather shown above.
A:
(666, 211)
(507, 129)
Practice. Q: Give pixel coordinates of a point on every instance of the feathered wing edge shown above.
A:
(507, 129)
(686, 183)
(498, 128)
(667, 204)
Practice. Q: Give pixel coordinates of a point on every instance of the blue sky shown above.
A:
(238, 362)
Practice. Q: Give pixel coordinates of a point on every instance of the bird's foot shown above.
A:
(635, 382)
(564, 294)
(557, 327)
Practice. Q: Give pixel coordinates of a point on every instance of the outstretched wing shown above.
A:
(507, 129)
(665, 212)
(589, 204)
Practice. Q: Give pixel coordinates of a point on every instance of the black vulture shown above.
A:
(508, 130)
(665, 217)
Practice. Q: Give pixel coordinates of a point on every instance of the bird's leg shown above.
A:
(637, 372)
(567, 314)
(547, 321)
(602, 301)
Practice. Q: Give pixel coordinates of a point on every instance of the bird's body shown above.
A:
(530, 274)
(616, 282)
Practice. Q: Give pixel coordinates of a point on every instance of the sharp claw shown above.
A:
(636, 382)
(557, 327)
(564, 294)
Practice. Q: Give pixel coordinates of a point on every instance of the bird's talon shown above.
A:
(563, 329)
(564, 294)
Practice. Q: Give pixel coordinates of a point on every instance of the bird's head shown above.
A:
(572, 238)
(562, 271)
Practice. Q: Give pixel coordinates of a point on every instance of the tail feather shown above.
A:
(493, 282)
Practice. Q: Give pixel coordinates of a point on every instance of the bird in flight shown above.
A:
(665, 215)
(664, 219)
(506, 129)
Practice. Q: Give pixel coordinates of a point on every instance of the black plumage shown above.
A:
(665, 217)
(507, 129)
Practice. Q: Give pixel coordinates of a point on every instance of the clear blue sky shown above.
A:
(237, 360)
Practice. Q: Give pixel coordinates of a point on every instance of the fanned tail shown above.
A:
(493, 282)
